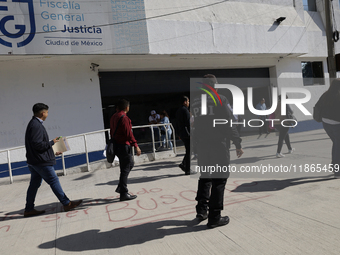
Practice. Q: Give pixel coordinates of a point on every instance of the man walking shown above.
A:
(262, 106)
(40, 160)
(213, 144)
(121, 132)
(183, 123)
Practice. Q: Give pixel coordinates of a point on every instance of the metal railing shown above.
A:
(84, 135)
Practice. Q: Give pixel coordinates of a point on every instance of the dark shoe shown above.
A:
(118, 189)
(187, 172)
(202, 216)
(72, 205)
(127, 196)
(33, 213)
(223, 221)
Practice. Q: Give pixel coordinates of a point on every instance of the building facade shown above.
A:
(80, 56)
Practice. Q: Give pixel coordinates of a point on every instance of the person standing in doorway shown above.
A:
(165, 130)
(40, 160)
(121, 126)
(155, 118)
(183, 123)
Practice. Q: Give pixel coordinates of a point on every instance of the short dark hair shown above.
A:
(184, 99)
(209, 79)
(122, 104)
(37, 108)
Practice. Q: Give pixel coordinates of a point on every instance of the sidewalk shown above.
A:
(269, 214)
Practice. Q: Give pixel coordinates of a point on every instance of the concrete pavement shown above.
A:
(286, 213)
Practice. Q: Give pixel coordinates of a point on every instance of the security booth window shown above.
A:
(312, 73)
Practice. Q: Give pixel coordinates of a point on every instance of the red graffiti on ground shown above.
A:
(165, 207)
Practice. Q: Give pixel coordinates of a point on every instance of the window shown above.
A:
(312, 73)
(309, 5)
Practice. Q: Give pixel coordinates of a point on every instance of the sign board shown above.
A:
(72, 27)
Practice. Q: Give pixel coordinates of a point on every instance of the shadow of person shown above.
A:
(275, 185)
(249, 160)
(142, 179)
(117, 238)
(57, 207)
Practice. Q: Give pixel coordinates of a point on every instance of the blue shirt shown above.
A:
(260, 106)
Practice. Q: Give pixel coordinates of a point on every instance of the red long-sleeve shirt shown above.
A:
(124, 133)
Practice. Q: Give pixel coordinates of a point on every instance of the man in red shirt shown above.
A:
(124, 139)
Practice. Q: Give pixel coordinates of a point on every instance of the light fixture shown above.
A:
(279, 20)
(93, 66)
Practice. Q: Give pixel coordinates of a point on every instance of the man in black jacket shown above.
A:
(213, 149)
(183, 123)
(40, 160)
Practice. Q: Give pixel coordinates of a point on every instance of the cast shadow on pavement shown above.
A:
(162, 163)
(50, 208)
(142, 179)
(249, 160)
(275, 185)
(96, 240)
(155, 167)
(143, 167)
(57, 207)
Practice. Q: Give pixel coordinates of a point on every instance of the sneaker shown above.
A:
(280, 155)
(72, 205)
(33, 213)
(291, 151)
(222, 221)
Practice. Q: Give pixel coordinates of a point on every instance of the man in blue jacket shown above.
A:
(40, 160)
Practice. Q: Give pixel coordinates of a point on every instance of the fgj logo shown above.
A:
(238, 105)
(204, 97)
(9, 26)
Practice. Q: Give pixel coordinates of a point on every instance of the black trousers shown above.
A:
(124, 153)
(283, 135)
(264, 128)
(187, 157)
(211, 186)
(212, 202)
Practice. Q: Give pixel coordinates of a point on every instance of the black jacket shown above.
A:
(183, 122)
(329, 112)
(204, 130)
(38, 147)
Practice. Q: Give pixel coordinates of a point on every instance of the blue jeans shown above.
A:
(38, 173)
(163, 138)
(333, 131)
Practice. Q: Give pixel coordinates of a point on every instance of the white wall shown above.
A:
(231, 28)
(68, 87)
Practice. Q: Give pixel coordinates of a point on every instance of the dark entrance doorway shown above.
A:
(161, 90)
